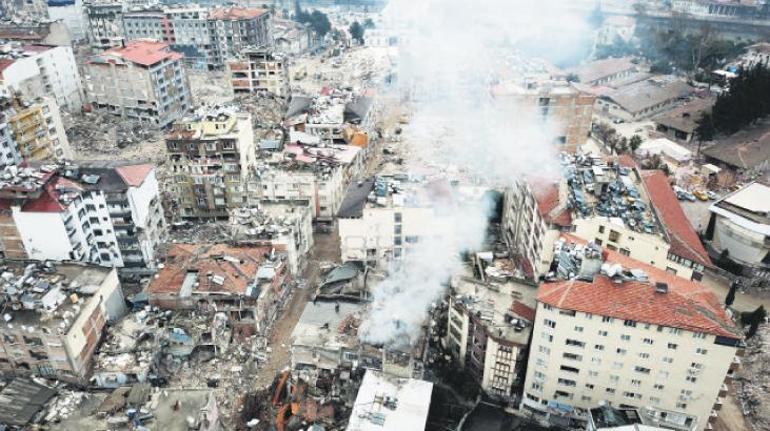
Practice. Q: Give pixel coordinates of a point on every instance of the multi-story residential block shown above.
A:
(633, 212)
(612, 329)
(45, 32)
(56, 317)
(489, 326)
(104, 24)
(143, 81)
(643, 99)
(258, 70)
(739, 230)
(37, 132)
(42, 71)
(235, 28)
(9, 152)
(568, 110)
(106, 213)
(377, 225)
(24, 10)
(211, 156)
(207, 37)
(318, 175)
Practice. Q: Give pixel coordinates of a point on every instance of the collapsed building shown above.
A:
(678, 347)
(249, 284)
(387, 402)
(259, 70)
(612, 202)
(106, 213)
(54, 318)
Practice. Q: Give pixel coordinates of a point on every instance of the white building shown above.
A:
(104, 24)
(631, 335)
(392, 403)
(106, 213)
(143, 81)
(740, 229)
(259, 70)
(42, 71)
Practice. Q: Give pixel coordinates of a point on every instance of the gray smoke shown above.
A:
(452, 54)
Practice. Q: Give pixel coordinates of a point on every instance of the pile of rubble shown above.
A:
(95, 135)
(209, 87)
(266, 109)
(753, 385)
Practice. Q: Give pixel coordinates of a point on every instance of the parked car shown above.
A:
(713, 196)
(700, 194)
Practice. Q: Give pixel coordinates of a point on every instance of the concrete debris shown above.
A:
(97, 135)
(753, 383)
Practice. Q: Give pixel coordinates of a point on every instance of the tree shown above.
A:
(634, 143)
(320, 23)
(357, 32)
(368, 23)
(621, 145)
(730, 298)
(606, 134)
(299, 14)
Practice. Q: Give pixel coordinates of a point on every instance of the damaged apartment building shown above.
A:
(609, 327)
(143, 80)
(54, 317)
(611, 202)
(211, 155)
(207, 36)
(107, 213)
(31, 131)
(258, 69)
(248, 284)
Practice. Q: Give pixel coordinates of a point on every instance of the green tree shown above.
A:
(357, 32)
(755, 319)
(572, 77)
(607, 134)
(299, 14)
(634, 143)
(621, 146)
(320, 23)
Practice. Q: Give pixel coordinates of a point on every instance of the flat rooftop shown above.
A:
(388, 403)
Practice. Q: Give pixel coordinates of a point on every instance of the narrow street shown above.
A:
(325, 249)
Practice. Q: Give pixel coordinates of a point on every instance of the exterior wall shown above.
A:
(607, 108)
(211, 170)
(605, 367)
(378, 236)
(39, 133)
(231, 36)
(259, 71)
(147, 215)
(158, 94)
(524, 229)
(44, 235)
(105, 29)
(11, 244)
(745, 246)
(643, 247)
(9, 151)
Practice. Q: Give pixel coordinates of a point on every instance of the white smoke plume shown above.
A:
(452, 54)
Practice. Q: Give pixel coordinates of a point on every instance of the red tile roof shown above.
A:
(206, 258)
(134, 175)
(4, 64)
(37, 48)
(47, 202)
(687, 305)
(547, 198)
(684, 240)
(523, 310)
(236, 13)
(626, 161)
(144, 52)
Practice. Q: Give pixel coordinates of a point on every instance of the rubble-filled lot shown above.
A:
(357, 67)
(753, 385)
(103, 136)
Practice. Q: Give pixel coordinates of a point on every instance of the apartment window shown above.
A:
(572, 356)
(691, 379)
(589, 316)
(614, 236)
(539, 375)
(596, 360)
(589, 386)
(681, 405)
(601, 229)
(576, 343)
(635, 382)
(701, 351)
(658, 387)
(593, 374)
(567, 382)
(603, 333)
(644, 355)
(672, 346)
(540, 362)
(648, 341)
(620, 351)
(654, 400)
(585, 398)
(569, 369)
(699, 335)
(668, 360)
(610, 390)
(567, 312)
(642, 370)
(675, 331)
(617, 365)
(606, 319)
(549, 323)
(625, 337)
(548, 307)
(630, 323)
(599, 347)
(545, 350)
(537, 386)
(547, 337)
(696, 365)
(562, 394)
(578, 329)
(632, 395)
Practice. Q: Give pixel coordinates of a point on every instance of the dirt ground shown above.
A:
(325, 249)
(730, 417)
